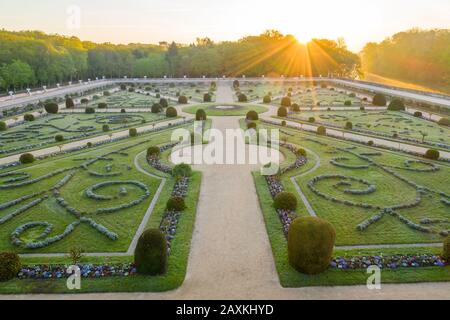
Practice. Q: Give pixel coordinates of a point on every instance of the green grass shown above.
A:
(125, 99)
(211, 109)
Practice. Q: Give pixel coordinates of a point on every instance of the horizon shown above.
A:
(223, 22)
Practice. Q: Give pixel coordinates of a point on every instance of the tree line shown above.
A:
(416, 56)
(33, 58)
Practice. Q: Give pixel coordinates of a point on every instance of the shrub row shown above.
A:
(21, 210)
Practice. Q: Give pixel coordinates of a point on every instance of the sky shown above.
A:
(152, 21)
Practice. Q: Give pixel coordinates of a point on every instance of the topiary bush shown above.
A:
(182, 100)
(89, 110)
(379, 100)
(171, 112)
(370, 143)
(150, 255)
(432, 154)
(282, 112)
(69, 103)
(418, 114)
(3, 126)
(133, 132)
(200, 115)
(9, 266)
(156, 108)
(252, 116)
(176, 204)
(102, 105)
(396, 105)
(322, 130)
(267, 99)
(349, 125)
(285, 201)
(59, 138)
(446, 249)
(164, 103)
(51, 107)
(251, 125)
(242, 97)
(105, 128)
(28, 117)
(312, 120)
(207, 97)
(295, 107)
(182, 170)
(310, 245)
(444, 122)
(153, 152)
(347, 103)
(286, 102)
(26, 158)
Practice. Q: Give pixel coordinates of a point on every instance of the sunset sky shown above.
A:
(151, 21)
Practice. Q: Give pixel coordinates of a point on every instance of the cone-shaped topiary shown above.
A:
(9, 266)
(150, 255)
(285, 201)
(310, 245)
(446, 249)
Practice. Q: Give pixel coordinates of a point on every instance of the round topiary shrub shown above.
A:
(153, 152)
(379, 100)
(9, 266)
(432, 154)
(267, 99)
(150, 255)
(51, 107)
(285, 201)
(286, 102)
(370, 143)
(282, 112)
(418, 114)
(322, 130)
(236, 84)
(396, 105)
(28, 117)
(176, 204)
(69, 103)
(347, 103)
(300, 152)
(59, 138)
(123, 111)
(242, 97)
(283, 123)
(295, 107)
(200, 115)
(156, 108)
(3, 126)
(444, 122)
(312, 120)
(310, 245)
(207, 97)
(362, 108)
(349, 126)
(251, 125)
(446, 249)
(133, 132)
(123, 87)
(252, 116)
(182, 170)
(105, 128)
(26, 158)
(89, 110)
(171, 112)
(164, 103)
(182, 100)
(102, 105)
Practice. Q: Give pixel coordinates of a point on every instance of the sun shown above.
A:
(302, 37)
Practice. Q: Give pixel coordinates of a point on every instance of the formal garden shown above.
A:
(217, 109)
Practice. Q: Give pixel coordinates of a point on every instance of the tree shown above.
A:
(171, 58)
(17, 75)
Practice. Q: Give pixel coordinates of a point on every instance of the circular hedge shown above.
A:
(9, 266)
(171, 112)
(207, 97)
(133, 132)
(150, 255)
(176, 204)
(153, 152)
(286, 102)
(396, 105)
(200, 115)
(182, 100)
(51, 107)
(59, 138)
(3, 126)
(28, 117)
(252, 115)
(446, 249)
(432, 154)
(242, 97)
(182, 170)
(282, 112)
(267, 99)
(310, 245)
(26, 158)
(285, 201)
(322, 130)
(379, 100)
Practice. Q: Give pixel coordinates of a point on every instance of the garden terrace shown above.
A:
(194, 91)
(124, 99)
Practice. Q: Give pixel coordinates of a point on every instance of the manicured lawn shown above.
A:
(41, 132)
(386, 123)
(193, 91)
(125, 99)
(214, 109)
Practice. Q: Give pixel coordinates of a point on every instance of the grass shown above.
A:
(125, 99)
(239, 109)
